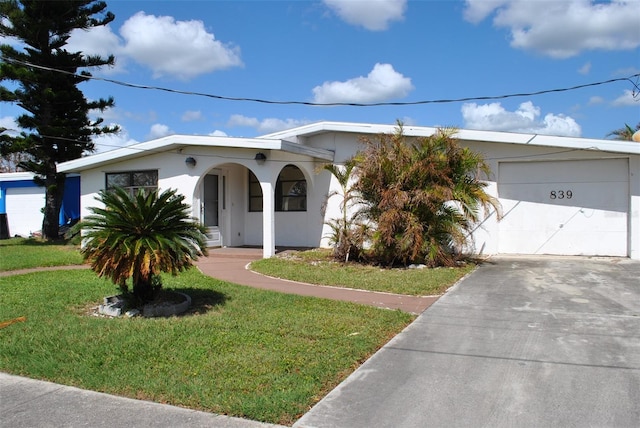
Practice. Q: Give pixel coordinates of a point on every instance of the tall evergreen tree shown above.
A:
(44, 80)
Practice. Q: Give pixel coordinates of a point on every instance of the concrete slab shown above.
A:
(27, 403)
(521, 342)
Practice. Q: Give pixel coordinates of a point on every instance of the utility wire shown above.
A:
(635, 91)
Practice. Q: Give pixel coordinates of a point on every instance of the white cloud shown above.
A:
(562, 29)
(107, 142)
(240, 120)
(10, 126)
(381, 84)
(626, 71)
(182, 49)
(374, 15)
(191, 115)
(98, 41)
(265, 126)
(628, 98)
(585, 69)
(158, 130)
(525, 119)
(218, 133)
(595, 100)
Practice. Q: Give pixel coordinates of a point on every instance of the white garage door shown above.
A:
(24, 205)
(564, 207)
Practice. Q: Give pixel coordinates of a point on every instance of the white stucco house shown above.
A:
(560, 195)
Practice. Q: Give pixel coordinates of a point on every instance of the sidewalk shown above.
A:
(27, 403)
(229, 264)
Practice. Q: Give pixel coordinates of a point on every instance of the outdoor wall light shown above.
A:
(260, 158)
(191, 162)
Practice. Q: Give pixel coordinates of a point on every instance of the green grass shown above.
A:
(315, 267)
(243, 352)
(22, 253)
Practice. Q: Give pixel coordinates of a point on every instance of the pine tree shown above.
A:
(44, 80)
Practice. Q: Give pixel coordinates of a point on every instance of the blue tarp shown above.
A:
(70, 210)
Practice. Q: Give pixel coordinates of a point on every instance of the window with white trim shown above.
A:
(133, 180)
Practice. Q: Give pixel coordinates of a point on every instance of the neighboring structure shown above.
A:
(560, 195)
(22, 201)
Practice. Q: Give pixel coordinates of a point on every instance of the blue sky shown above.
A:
(360, 51)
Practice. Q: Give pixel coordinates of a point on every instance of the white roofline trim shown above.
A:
(289, 141)
(177, 141)
(615, 146)
(21, 176)
(16, 176)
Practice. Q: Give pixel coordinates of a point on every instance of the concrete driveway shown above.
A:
(521, 342)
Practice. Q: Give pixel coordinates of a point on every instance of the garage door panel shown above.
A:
(558, 208)
(572, 171)
(612, 196)
(24, 210)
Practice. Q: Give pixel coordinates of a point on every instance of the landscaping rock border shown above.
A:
(113, 306)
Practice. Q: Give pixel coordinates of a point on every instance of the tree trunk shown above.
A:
(54, 193)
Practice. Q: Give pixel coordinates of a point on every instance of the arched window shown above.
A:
(291, 190)
(255, 193)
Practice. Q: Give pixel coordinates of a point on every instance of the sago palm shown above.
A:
(139, 236)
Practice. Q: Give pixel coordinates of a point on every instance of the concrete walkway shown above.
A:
(229, 264)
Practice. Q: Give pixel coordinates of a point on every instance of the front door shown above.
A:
(212, 208)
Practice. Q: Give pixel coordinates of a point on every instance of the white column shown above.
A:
(268, 220)
(634, 208)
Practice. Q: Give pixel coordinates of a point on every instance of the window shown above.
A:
(255, 193)
(133, 180)
(291, 190)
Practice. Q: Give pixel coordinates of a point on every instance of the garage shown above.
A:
(569, 207)
(24, 209)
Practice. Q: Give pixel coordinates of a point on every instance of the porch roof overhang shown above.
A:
(174, 142)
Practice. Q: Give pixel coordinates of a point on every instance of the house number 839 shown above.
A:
(560, 194)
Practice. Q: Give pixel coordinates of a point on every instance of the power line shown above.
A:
(635, 91)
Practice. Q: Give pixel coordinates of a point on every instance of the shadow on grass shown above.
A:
(202, 301)
(32, 242)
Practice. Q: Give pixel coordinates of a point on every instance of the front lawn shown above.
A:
(243, 352)
(23, 253)
(316, 267)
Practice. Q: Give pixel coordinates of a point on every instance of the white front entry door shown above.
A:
(213, 207)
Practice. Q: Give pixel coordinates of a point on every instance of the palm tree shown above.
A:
(624, 134)
(139, 236)
(348, 233)
(423, 196)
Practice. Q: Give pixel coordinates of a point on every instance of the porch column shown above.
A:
(634, 210)
(268, 220)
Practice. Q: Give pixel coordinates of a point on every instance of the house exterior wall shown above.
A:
(309, 229)
(486, 236)
(301, 229)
